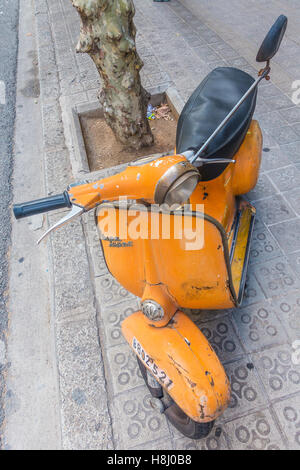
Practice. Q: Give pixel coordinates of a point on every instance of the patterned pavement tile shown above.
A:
(134, 420)
(286, 178)
(202, 316)
(291, 151)
(110, 291)
(294, 259)
(256, 431)
(276, 276)
(293, 198)
(263, 246)
(288, 413)
(123, 369)
(287, 309)
(273, 158)
(259, 327)
(287, 235)
(263, 189)
(291, 115)
(277, 372)
(284, 135)
(222, 337)
(253, 292)
(274, 209)
(111, 319)
(246, 392)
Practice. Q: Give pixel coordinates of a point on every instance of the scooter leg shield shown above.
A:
(182, 360)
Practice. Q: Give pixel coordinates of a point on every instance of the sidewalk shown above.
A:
(104, 403)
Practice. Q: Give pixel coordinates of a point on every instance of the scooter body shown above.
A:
(173, 276)
(209, 277)
(149, 249)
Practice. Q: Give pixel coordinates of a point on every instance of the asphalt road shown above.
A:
(9, 15)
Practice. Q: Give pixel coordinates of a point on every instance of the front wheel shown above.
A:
(181, 421)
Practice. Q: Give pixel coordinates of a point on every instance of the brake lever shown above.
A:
(189, 155)
(74, 212)
(206, 161)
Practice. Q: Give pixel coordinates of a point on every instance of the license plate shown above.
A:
(157, 372)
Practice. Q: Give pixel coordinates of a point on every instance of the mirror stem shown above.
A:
(264, 73)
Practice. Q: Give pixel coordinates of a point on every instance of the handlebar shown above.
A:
(38, 206)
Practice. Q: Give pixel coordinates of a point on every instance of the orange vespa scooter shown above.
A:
(217, 159)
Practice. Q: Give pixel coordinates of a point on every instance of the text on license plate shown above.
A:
(158, 373)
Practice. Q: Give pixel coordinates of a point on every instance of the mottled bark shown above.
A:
(107, 34)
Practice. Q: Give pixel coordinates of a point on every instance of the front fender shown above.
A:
(181, 358)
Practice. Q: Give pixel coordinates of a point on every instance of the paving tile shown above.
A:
(110, 291)
(206, 53)
(263, 246)
(263, 189)
(222, 338)
(253, 292)
(276, 277)
(274, 209)
(256, 431)
(123, 369)
(270, 90)
(259, 327)
(268, 140)
(111, 319)
(273, 158)
(246, 392)
(286, 178)
(279, 375)
(292, 115)
(279, 102)
(294, 259)
(272, 120)
(291, 151)
(202, 316)
(134, 420)
(287, 310)
(288, 415)
(287, 235)
(284, 135)
(238, 62)
(293, 198)
(225, 50)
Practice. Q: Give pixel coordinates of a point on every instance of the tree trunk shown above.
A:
(107, 34)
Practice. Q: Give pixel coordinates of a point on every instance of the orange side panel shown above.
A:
(195, 276)
(248, 160)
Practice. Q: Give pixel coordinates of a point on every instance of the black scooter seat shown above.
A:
(209, 104)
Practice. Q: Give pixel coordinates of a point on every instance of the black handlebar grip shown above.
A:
(38, 206)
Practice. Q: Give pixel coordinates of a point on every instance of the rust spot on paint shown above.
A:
(203, 287)
(177, 365)
(190, 382)
(211, 380)
(202, 414)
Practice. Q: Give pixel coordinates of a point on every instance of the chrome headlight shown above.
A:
(177, 184)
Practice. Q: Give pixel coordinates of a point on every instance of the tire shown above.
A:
(181, 421)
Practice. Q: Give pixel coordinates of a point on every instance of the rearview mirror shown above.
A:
(272, 40)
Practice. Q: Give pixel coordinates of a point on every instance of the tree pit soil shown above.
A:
(104, 151)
